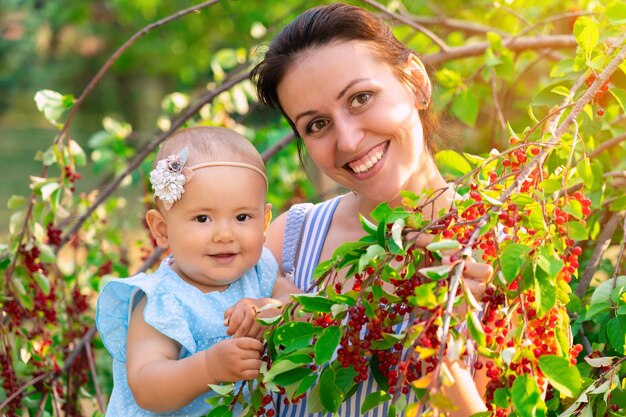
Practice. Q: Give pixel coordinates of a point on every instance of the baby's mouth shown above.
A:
(367, 161)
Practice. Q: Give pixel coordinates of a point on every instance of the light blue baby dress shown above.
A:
(179, 311)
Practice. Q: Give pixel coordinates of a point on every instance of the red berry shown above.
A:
(600, 112)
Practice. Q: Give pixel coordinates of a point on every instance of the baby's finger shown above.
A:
(234, 322)
(249, 343)
(245, 325)
(227, 314)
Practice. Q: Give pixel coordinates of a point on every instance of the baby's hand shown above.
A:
(232, 360)
(241, 318)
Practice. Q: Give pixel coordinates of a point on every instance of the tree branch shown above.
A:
(606, 145)
(603, 241)
(436, 39)
(275, 148)
(514, 44)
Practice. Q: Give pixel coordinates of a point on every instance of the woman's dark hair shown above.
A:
(321, 26)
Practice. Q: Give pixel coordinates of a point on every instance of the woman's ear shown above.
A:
(423, 88)
(268, 216)
(158, 227)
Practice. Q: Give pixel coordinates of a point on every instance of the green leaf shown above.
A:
(576, 231)
(585, 172)
(220, 411)
(77, 153)
(465, 107)
(326, 344)
(295, 335)
(602, 294)
(561, 375)
(550, 185)
(526, 397)
(586, 33)
(616, 12)
(306, 383)
(511, 261)
(313, 303)
(329, 391)
(436, 272)
(452, 163)
(290, 377)
(444, 245)
(535, 218)
(222, 389)
(476, 328)
(43, 282)
(52, 104)
(620, 96)
(46, 254)
(396, 233)
(344, 378)
(15, 202)
(501, 397)
(618, 204)
(371, 253)
(281, 366)
(374, 399)
(424, 295)
(616, 331)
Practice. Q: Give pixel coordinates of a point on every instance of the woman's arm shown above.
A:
(161, 382)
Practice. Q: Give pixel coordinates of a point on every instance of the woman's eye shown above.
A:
(242, 217)
(359, 100)
(316, 125)
(203, 218)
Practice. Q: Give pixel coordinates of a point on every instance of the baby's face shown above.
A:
(216, 231)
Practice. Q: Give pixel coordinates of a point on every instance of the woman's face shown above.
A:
(359, 122)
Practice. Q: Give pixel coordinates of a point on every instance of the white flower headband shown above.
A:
(170, 175)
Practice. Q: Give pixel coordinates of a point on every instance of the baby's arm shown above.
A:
(241, 318)
(161, 382)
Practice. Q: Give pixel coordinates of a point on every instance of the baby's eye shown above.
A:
(243, 217)
(202, 218)
(316, 125)
(359, 100)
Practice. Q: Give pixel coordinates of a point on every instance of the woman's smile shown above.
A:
(364, 163)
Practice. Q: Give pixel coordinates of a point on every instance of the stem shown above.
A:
(23, 388)
(94, 375)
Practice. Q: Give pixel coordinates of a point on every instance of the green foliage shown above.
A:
(536, 196)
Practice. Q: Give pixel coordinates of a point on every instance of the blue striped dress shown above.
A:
(309, 247)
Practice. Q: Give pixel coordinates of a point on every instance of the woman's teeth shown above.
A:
(364, 164)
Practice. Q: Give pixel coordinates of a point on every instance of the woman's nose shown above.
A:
(349, 134)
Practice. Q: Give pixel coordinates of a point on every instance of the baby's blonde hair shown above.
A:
(211, 144)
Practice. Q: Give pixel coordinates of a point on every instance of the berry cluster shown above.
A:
(72, 176)
(10, 384)
(31, 259)
(53, 234)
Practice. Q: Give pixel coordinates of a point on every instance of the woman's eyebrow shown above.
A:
(347, 87)
(339, 96)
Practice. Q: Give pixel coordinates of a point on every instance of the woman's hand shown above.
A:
(475, 276)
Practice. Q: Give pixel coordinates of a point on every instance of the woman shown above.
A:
(358, 101)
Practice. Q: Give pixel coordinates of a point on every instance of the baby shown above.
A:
(193, 321)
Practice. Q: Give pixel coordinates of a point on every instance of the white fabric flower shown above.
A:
(168, 178)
